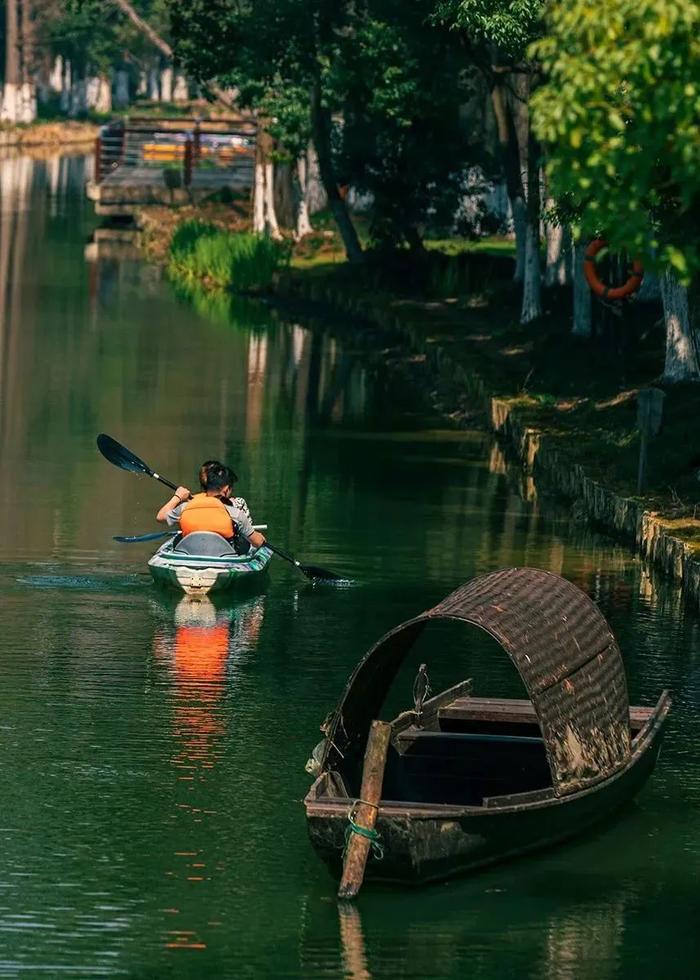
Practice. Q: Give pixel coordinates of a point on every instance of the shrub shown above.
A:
(237, 260)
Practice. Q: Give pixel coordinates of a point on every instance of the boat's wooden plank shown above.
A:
(518, 799)
(514, 710)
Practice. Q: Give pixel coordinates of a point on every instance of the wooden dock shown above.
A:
(169, 162)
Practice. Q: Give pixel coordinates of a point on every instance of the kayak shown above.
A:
(204, 562)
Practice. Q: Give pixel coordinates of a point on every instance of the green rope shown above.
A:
(368, 833)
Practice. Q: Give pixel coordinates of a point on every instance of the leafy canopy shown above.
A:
(508, 26)
(402, 139)
(620, 113)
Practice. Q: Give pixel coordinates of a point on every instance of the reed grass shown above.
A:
(229, 260)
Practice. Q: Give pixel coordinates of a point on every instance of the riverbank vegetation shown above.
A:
(243, 261)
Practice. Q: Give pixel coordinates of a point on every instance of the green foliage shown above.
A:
(620, 114)
(267, 50)
(506, 25)
(245, 262)
(94, 35)
(402, 140)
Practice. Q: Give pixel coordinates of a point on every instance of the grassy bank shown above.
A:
(202, 252)
(53, 133)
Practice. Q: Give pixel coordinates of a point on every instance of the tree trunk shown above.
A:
(153, 88)
(65, 96)
(166, 84)
(650, 290)
(558, 239)
(92, 84)
(531, 307)
(180, 92)
(103, 102)
(316, 197)
(681, 355)
(271, 224)
(13, 79)
(56, 75)
(78, 97)
(321, 129)
(285, 197)
(519, 208)
(259, 189)
(581, 294)
(510, 161)
(532, 299)
(121, 88)
(302, 223)
(27, 111)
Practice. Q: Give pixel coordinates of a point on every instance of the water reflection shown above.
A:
(464, 929)
(202, 653)
(352, 942)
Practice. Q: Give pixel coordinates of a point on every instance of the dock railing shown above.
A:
(178, 148)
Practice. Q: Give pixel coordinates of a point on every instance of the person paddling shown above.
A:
(213, 509)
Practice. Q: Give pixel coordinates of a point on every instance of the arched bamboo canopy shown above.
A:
(563, 649)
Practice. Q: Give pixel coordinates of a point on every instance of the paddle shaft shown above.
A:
(283, 554)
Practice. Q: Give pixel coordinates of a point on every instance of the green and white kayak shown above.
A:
(204, 562)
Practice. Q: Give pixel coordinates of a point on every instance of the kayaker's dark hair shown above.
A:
(214, 475)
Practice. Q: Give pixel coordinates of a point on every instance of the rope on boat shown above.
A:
(372, 835)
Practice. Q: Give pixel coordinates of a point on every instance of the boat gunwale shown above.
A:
(170, 558)
(331, 807)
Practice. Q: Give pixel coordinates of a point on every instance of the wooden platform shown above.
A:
(128, 188)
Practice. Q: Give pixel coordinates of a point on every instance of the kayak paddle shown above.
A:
(154, 535)
(126, 460)
(311, 571)
(122, 457)
(135, 538)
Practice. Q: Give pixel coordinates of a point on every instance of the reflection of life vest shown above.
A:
(200, 655)
(204, 513)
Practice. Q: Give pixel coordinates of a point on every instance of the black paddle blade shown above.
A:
(120, 456)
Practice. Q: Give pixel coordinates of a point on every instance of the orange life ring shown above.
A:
(599, 287)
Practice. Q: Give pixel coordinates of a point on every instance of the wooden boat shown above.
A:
(204, 562)
(469, 780)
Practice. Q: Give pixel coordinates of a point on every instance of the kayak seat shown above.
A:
(206, 543)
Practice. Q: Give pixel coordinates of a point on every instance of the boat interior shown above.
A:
(206, 544)
(461, 750)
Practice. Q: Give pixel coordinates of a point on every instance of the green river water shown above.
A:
(152, 751)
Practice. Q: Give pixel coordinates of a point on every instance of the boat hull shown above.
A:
(204, 574)
(424, 842)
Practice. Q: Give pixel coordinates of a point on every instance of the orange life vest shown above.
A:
(204, 513)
